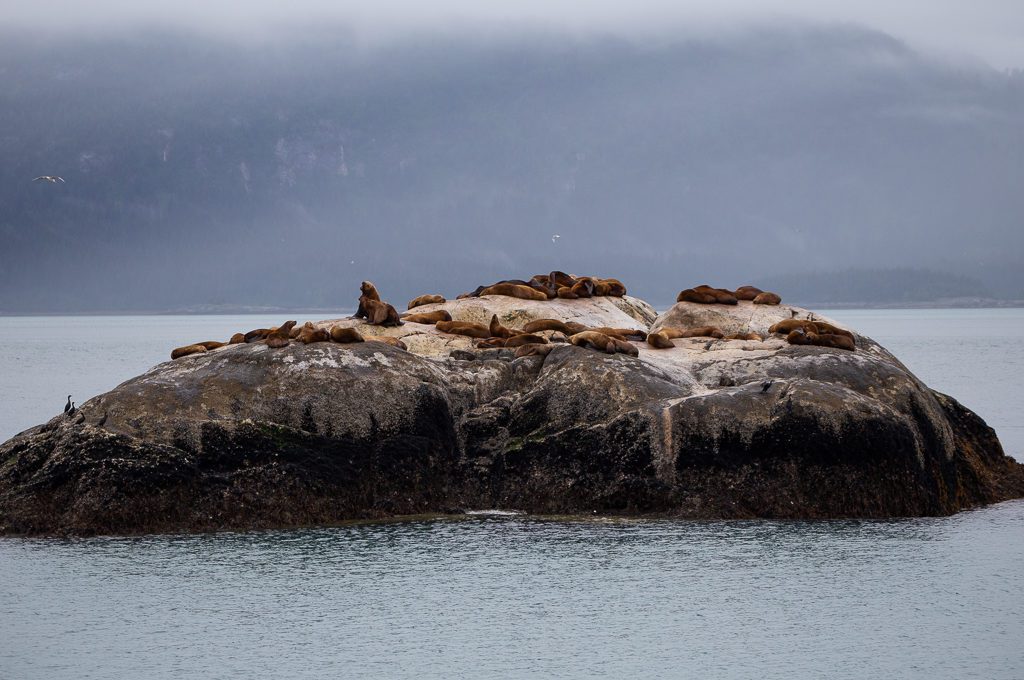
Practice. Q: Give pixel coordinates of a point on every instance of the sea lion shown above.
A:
(802, 337)
(211, 344)
(541, 283)
(566, 293)
(294, 333)
(475, 293)
(584, 287)
(310, 333)
(521, 291)
(614, 287)
(185, 351)
(706, 295)
(473, 330)
(380, 313)
(345, 334)
(257, 334)
(789, 325)
(490, 343)
(525, 339)
(690, 295)
(622, 333)
(499, 331)
(744, 336)
(237, 339)
(559, 279)
(699, 332)
(533, 350)
(547, 325)
(429, 318)
(280, 336)
(659, 341)
(625, 347)
(826, 328)
(767, 298)
(367, 291)
(747, 292)
(387, 340)
(595, 340)
(425, 300)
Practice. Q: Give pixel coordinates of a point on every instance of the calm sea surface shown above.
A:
(512, 597)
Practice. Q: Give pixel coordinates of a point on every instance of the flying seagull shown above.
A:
(555, 237)
(52, 179)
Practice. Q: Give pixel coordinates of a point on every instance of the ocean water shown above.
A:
(504, 596)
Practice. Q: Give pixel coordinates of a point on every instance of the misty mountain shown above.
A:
(210, 172)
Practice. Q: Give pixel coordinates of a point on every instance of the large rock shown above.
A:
(246, 436)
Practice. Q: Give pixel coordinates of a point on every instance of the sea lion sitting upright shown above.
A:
(344, 334)
(523, 292)
(425, 300)
(428, 317)
(280, 337)
(767, 298)
(473, 330)
(367, 291)
(187, 350)
(747, 292)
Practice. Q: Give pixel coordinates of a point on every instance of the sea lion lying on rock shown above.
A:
(751, 335)
(747, 292)
(525, 339)
(603, 342)
(567, 327)
(473, 330)
(387, 340)
(310, 333)
(429, 318)
(802, 337)
(533, 350)
(499, 331)
(425, 300)
(187, 350)
(521, 291)
(237, 339)
(345, 334)
(706, 295)
(622, 333)
(767, 298)
(663, 338)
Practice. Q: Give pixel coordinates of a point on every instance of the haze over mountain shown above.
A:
(207, 171)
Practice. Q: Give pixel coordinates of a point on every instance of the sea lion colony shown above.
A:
(527, 340)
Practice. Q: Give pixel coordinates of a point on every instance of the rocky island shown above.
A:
(252, 435)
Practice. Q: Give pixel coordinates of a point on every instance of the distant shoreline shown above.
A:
(955, 303)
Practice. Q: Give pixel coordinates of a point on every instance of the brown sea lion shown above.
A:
(429, 318)
(699, 332)
(499, 331)
(345, 334)
(533, 350)
(211, 344)
(236, 339)
(744, 336)
(521, 291)
(566, 293)
(280, 336)
(294, 333)
(380, 313)
(257, 334)
(825, 327)
(387, 340)
(185, 351)
(595, 340)
(614, 287)
(789, 325)
(625, 347)
(541, 283)
(367, 291)
(584, 287)
(767, 298)
(547, 325)
(525, 339)
(310, 333)
(691, 295)
(425, 300)
(475, 293)
(560, 279)
(490, 343)
(722, 296)
(473, 330)
(747, 292)
(659, 340)
(801, 337)
(622, 333)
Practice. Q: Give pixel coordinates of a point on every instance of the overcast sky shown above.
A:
(990, 30)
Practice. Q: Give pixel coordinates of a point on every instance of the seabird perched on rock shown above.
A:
(765, 385)
(52, 179)
(67, 406)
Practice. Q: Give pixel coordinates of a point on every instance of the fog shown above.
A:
(204, 170)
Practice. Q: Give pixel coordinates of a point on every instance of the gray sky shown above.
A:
(990, 30)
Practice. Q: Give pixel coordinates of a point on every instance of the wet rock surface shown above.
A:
(246, 436)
